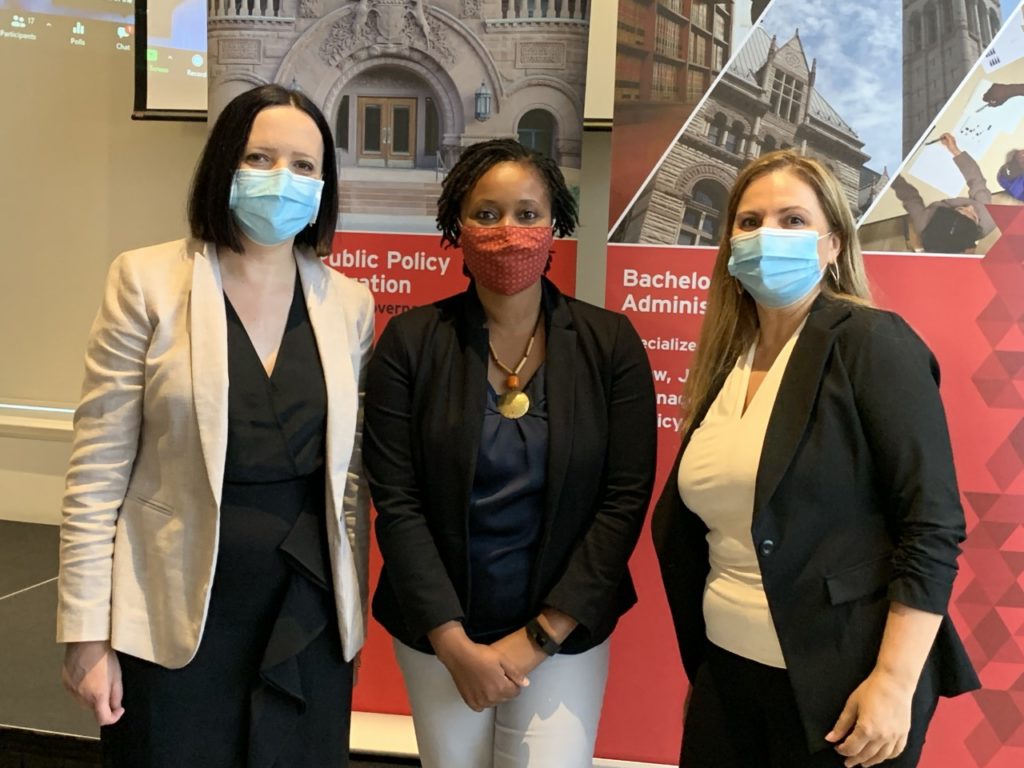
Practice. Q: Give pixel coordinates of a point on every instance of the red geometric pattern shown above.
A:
(992, 602)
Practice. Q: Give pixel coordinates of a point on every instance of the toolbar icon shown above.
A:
(78, 29)
(122, 33)
(18, 22)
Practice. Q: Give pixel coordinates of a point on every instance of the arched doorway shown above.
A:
(536, 131)
(387, 117)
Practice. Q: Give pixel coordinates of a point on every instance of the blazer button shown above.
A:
(767, 547)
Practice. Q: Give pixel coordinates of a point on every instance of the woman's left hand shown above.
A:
(520, 651)
(875, 722)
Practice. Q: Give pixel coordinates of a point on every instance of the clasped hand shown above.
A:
(487, 675)
(874, 724)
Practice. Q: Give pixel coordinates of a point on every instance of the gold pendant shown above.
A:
(513, 404)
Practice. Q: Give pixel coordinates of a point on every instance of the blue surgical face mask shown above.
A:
(273, 206)
(778, 267)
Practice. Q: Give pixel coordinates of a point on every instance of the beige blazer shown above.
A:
(141, 507)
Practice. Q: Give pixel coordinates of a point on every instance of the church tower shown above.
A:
(942, 39)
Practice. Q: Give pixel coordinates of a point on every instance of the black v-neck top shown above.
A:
(276, 423)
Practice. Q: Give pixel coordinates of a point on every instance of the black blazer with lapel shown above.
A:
(855, 505)
(425, 399)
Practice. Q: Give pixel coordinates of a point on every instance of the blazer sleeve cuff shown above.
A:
(82, 629)
(419, 627)
(584, 610)
(921, 592)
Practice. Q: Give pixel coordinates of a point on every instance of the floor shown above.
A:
(40, 725)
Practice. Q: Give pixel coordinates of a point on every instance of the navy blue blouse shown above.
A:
(506, 509)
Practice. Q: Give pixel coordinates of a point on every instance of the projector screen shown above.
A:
(167, 38)
(79, 26)
(170, 62)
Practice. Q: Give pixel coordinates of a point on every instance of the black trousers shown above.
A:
(743, 714)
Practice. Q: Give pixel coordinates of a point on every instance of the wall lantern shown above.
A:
(483, 102)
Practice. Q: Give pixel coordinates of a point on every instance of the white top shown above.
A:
(717, 476)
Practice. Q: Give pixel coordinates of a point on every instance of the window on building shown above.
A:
(665, 82)
(983, 32)
(720, 57)
(787, 96)
(721, 24)
(946, 15)
(698, 48)
(993, 22)
(696, 84)
(666, 37)
(916, 39)
(537, 131)
(699, 14)
(701, 221)
(715, 129)
(733, 139)
(972, 18)
(931, 25)
(341, 125)
(673, 5)
(631, 23)
(768, 145)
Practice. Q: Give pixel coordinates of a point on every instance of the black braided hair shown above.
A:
(476, 160)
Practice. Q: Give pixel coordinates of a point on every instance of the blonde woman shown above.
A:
(809, 531)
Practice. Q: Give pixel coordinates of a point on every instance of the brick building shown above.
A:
(669, 52)
(766, 100)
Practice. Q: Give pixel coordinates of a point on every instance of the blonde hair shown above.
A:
(730, 322)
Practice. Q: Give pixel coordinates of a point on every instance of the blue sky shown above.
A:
(860, 64)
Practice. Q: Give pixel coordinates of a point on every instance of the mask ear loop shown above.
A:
(834, 269)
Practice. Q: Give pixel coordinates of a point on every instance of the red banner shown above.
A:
(969, 311)
(406, 271)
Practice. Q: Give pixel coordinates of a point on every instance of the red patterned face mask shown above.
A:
(506, 259)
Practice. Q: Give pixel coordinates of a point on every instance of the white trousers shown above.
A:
(552, 723)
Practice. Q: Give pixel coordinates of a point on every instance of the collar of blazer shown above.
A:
(796, 394)
(560, 388)
(210, 359)
(556, 308)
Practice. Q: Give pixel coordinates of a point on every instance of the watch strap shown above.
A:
(547, 644)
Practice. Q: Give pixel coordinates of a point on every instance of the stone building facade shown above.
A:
(766, 100)
(407, 83)
(942, 40)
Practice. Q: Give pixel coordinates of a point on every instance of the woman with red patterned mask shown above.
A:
(510, 445)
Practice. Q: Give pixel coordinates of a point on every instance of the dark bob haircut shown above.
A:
(209, 217)
(476, 160)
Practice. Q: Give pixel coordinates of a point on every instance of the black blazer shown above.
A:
(425, 399)
(855, 505)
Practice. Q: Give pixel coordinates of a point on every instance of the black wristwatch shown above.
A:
(541, 638)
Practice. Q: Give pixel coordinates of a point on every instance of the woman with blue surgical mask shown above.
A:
(809, 532)
(212, 592)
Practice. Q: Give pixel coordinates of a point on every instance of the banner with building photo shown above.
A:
(406, 85)
(968, 157)
(667, 56)
(858, 86)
